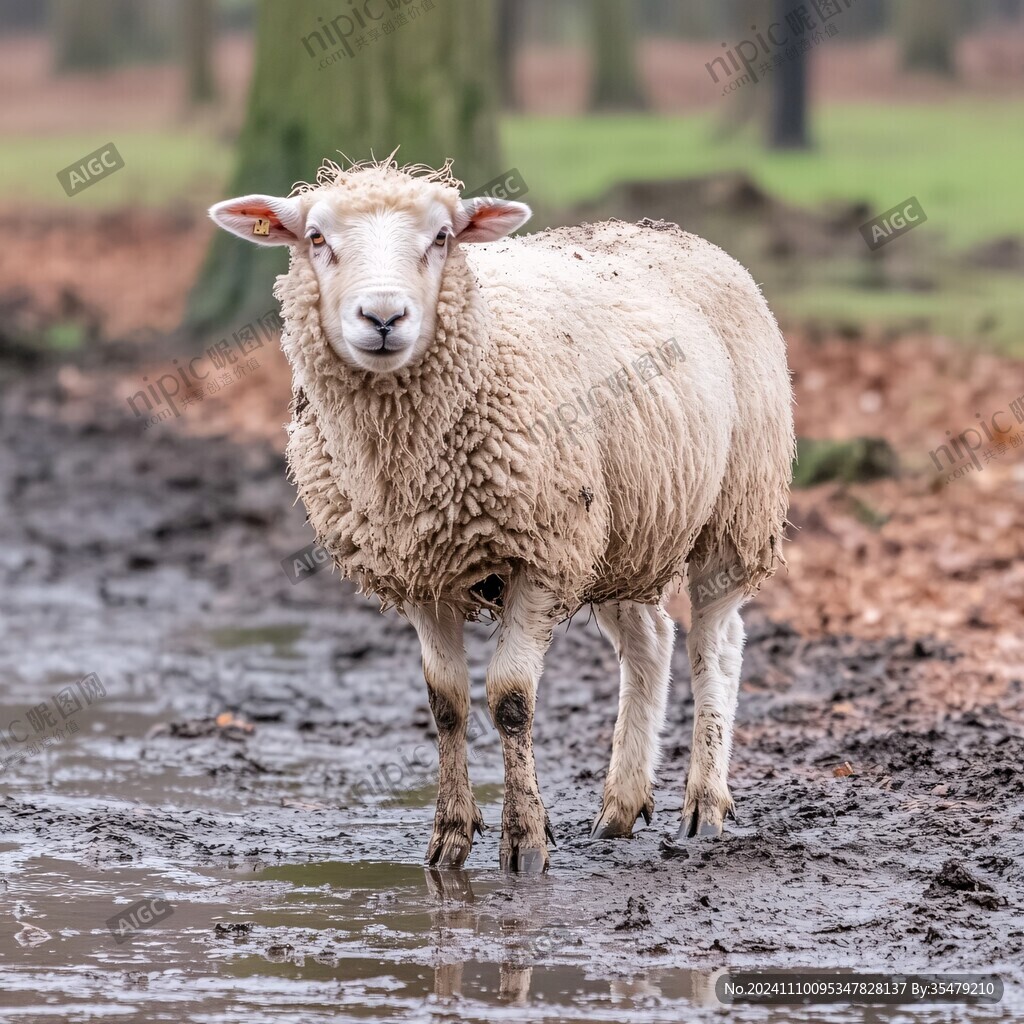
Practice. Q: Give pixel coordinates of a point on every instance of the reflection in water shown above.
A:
(453, 897)
(526, 941)
(453, 912)
(295, 942)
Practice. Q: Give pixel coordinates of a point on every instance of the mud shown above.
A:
(261, 762)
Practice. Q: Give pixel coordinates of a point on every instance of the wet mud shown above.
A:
(259, 761)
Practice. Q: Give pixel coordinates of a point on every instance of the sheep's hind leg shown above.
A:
(512, 679)
(457, 816)
(643, 636)
(715, 646)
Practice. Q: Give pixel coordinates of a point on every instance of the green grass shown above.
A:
(961, 160)
(985, 307)
(159, 168)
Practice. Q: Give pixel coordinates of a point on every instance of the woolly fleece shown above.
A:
(529, 437)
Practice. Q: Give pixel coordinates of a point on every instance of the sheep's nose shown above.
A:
(382, 326)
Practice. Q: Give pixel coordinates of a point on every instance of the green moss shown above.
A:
(855, 461)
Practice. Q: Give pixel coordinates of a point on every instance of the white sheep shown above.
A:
(581, 415)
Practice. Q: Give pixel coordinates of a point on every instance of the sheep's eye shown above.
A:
(442, 237)
(317, 239)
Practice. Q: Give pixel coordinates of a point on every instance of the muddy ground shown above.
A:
(287, 840)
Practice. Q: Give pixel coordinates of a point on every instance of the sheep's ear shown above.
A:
(486, 220)
(265, 220)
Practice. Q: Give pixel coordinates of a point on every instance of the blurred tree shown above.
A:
(753, 104)
(430, 85)
(197, 42)
(564, 22)
(863, 18)
(510, 18)
(672, 18)
(235, 14)
(615, 85)
(927, 32)
(788, 124)
(100, 34)
(22, 15)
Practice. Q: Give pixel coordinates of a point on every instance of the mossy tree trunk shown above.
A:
(927, 33)
(429, 85)
(615, 83)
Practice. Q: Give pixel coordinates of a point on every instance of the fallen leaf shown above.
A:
(226, 720)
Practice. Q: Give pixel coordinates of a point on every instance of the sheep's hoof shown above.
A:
(702, 819)
(523, 852)
(524, 861)
(613, 822)
(697, 829)
(452, 841)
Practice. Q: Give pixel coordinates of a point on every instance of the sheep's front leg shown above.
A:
(643, 636)
(457, 816)
(512, 679)
(715, 646)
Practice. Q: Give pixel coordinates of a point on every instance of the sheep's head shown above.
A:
(377, 237)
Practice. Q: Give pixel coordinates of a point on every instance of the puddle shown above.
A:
(281, 638)
(371, 940)
(311, 828)
(263, 943)
(212, 829)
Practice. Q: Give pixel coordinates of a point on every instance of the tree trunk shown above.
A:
(98, 34)
(198, 38)
(428, 85)
(615, 85)
(751, 104)
(509, 37)
(84, 37)
(927, 31)
(788, 129)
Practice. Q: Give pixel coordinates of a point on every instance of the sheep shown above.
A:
(523, 426)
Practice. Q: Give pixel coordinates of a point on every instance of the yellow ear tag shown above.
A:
(261, 226)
